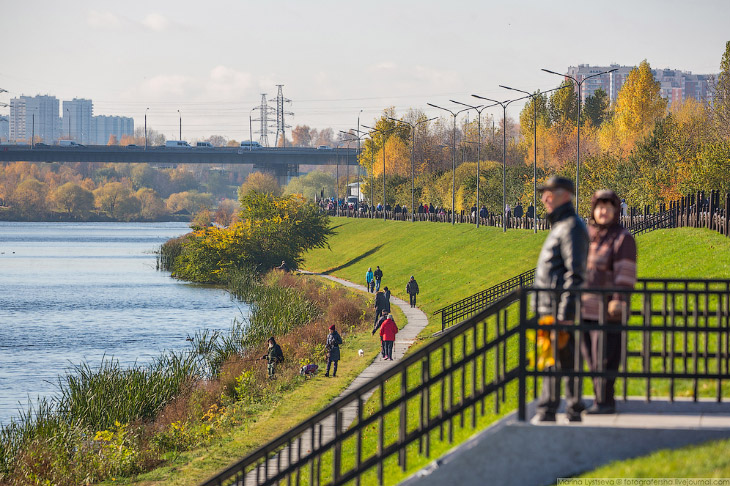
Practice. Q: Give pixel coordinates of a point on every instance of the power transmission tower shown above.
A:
(265, 111)
(281, 126)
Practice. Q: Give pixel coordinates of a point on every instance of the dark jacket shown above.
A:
(562, 261)
(379, 323)
(333, 345)
(378, 274)
(611, 260)
(412, 287)
(387, 300)
(275, 354)
(380, 302)
(518, 211)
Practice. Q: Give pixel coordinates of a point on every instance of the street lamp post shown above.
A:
(382, 135)
(533, 96)
(180, 133)
(145, 128)
(413, 150)
(453, 160)
(479, 110)
(68, 113)
(504, 105)
(580, 103)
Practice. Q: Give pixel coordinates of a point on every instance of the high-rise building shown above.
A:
(4, 128)
(106, 126)
(37, 115)
(676, 85)
(77, 120)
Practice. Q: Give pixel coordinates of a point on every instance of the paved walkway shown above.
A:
(518, 453)
(416, 321)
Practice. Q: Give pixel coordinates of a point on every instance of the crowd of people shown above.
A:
(603, 255)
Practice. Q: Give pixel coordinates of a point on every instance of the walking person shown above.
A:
(273, 357)
(369, 279)
(378, 274)
(386, 292)
(381, 304)
(388, 330)
(561, 265)
(333, 350)
(611, 264)
(376, 328)
(412, 290)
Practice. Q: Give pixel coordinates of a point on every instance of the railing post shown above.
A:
(522, 373)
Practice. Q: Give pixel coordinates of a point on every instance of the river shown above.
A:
(75, 292)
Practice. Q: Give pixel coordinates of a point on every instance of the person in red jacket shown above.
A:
(388, 330)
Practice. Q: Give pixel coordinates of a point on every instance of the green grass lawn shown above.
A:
(451, 262)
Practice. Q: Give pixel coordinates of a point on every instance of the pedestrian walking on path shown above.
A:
(561, 265)
(370, 280)
(376, 328)
(333, 350)
(381, 304)
(611, 264)
(378, 274)
(388, 330)
(412, 290)
(386, 291)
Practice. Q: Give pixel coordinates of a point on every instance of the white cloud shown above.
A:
(156, 22)
(103, 20)
(167, 86)
(226, 83)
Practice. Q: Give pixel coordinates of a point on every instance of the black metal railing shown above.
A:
(399, 416)
(661, 220)
(458, 311)
(675, 340)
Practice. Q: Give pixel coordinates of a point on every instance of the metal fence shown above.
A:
(699, 210)
(675, 340)
(458, 311)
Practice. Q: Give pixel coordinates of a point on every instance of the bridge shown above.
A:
(282, 162)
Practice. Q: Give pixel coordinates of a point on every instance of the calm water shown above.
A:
(73, 292)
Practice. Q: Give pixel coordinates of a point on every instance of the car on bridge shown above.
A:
(324, 147)
(177, 144)
(250, 145)
(204, 145)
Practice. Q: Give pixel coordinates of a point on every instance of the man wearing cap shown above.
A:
(561, 265)
(412, 290)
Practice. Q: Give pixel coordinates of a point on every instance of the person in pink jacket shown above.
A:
(388, 330)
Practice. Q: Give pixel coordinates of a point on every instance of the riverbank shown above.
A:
(11, 215)
(211, 389)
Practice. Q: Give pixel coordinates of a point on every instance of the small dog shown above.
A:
(309, 370)
(360, 353)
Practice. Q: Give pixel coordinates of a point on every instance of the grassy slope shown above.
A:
(195, 466)
(453, 262)
(449, 263)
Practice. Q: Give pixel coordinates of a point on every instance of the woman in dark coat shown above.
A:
(611, 264)
(333, 350)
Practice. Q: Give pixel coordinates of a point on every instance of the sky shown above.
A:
(213, 60)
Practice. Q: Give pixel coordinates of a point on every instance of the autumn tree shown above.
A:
(301, 136)
(108, 196)
(191, 201)
(30, 196)
(596, 107)
(217, 140)
(73, 198)
(563, 104)
(312, 185)
(261, 182)
(639, 104)
(152, 207)
(113, 140)
(721, 97)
